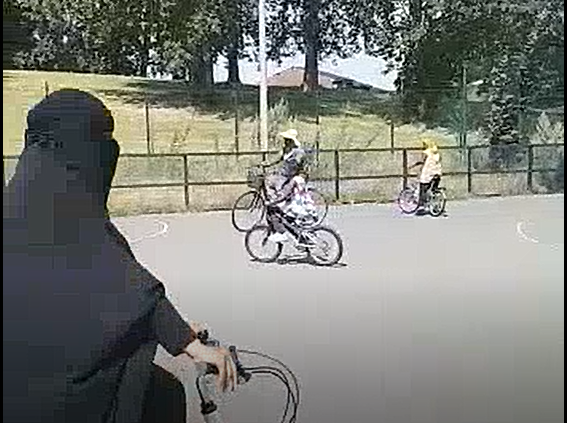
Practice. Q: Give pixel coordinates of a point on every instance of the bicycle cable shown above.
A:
(282, 364)
(291, 398)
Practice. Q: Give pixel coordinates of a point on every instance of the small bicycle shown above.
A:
(435, 200)
(206, 387)
(323, 245)
(249, 209)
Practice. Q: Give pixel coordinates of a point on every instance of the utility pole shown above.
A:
(263, 76)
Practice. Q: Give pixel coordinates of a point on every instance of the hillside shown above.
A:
(188, 119)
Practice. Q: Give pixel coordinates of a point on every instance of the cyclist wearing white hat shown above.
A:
(278, 184)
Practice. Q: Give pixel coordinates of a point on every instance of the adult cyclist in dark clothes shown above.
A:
(279, 183)
(82, 317)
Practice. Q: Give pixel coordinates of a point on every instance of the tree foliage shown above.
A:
(515, 48)
(315, 28)
(16, 38)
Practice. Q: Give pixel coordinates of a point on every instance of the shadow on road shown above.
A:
(294, 260)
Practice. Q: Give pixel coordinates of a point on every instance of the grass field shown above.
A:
(183, 119)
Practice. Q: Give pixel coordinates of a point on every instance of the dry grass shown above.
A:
(185, 120)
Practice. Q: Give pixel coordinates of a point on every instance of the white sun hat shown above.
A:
(290, 134)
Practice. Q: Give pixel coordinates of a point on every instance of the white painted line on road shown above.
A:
(164, 227)
(520, 229)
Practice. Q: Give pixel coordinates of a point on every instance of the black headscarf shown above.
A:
(78, 307)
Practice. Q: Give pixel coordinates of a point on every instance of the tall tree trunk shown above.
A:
(147, 28)
(233, 69)
(311, 40)
(412, 101)
(144, 58)
(235, 43)
(203, 71)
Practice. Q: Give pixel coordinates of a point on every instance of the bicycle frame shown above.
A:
(297, 231)
(416, 185)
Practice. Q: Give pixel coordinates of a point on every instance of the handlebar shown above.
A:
(209, 409)
(243, 375)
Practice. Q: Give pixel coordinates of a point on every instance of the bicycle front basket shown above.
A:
(255, 177)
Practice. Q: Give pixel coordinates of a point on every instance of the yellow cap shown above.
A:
(430, 144)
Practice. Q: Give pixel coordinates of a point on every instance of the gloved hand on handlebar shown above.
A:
(217, 356)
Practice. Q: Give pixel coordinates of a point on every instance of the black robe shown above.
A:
(82, 318)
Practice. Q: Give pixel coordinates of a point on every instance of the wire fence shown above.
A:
(174, 117)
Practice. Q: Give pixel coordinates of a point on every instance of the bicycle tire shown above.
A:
(438, 196)
(255, 203)
(408, 207)
(256, 229)
(340, 247)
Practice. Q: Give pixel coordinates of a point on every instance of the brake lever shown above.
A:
(243, 375)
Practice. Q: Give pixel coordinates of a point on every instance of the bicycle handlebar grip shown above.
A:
(203, 336)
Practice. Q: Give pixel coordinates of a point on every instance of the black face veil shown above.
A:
(77, 309)
(64, 175)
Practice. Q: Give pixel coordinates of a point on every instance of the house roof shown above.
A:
(293, 77)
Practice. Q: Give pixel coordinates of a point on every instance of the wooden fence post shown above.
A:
(148, 133)
(186, 181)
(530, 181)
(337, 175)
(392, 138)
(469, 169)
(404, 168)
(236, 120)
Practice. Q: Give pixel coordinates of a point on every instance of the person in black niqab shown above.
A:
(82, 318)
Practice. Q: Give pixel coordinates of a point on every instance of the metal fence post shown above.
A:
(148, 133)
(186, 181)
(337, 175)
(469, 169)
(392, 139)
(404, 168)
(530, 181)
(236, 103)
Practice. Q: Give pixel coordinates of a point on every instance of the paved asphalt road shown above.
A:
(450, 320)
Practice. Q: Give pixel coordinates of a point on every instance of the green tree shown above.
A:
(429, 42)
(315, 28)
(16, 37)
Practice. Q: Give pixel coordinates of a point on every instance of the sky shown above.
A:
(361, 67)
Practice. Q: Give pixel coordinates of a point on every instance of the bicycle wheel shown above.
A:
(408, 199)
(327, 248)
(248, 210)
(437, 202)
(321, 204)
(259, 247)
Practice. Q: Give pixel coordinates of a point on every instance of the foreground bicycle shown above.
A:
(435, 200)
(323, 245)
(206, 387)
(249, 209)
